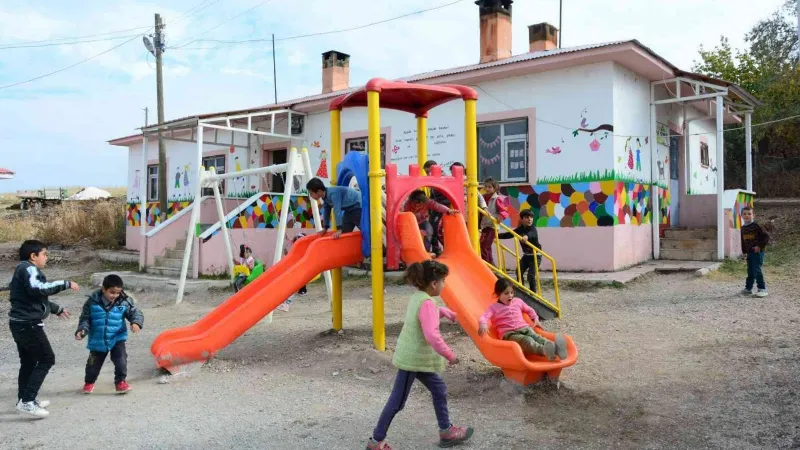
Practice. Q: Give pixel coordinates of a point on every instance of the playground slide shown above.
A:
(468, 292)
(308, 257)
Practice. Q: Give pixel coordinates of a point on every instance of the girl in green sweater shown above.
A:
(420, 355)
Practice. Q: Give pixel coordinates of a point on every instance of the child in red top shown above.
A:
(506, 315)
(419, 204)
(497, 209)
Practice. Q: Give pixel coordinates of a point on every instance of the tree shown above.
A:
(767, 68)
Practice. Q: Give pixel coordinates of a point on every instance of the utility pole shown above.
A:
(162, 149)
(275, 70)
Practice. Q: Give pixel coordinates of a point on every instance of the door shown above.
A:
(674, 180)
(278, 157)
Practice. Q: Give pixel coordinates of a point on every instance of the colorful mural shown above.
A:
(265, 212)
(153, 212)
(582, 204)
(665, 206)
(743, 199)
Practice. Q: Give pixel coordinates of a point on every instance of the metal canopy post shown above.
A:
(654, 191)
(748, 146)
(143, 191)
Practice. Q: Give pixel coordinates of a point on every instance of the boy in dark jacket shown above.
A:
(103, 319)
(530, 235)
(339, 200)
(754, 243)
(30, 306)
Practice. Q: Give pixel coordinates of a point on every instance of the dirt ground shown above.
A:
(667, 362)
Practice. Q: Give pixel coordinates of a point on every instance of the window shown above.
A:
(674, 153)
(152, 183)
(218, 163)
(704, 161)
(503, 150)
(362, 145)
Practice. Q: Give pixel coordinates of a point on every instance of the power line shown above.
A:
(187, 14)
(194, 39)
(52, 44)
(73, 65)
(322, 33)
(72, 38)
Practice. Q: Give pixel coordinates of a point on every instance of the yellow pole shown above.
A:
(422, 143)
(375, 219)
(336, 274)
(471, 156)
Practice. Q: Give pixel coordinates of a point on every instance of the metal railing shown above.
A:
(518, 282)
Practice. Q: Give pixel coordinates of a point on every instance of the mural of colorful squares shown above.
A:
(265, 212)
(153, 212)
(665, 206)
(743, 199)
(582, 204)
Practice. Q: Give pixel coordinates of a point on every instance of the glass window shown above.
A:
(704, 160)
(503, 150)
(152, 183)
(218, 163)
(361, 144)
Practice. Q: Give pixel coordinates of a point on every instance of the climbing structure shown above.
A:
(399, 187)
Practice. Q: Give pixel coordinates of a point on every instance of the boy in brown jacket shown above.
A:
(754, 242)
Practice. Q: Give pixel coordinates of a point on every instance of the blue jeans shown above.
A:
(399, 395)
(754, 273)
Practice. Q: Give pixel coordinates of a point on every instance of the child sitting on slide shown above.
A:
(419, 204)
(506, 315)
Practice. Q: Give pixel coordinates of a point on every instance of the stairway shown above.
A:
(169, 264)
(689, 244)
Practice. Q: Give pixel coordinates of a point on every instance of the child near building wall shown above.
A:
(496, 209)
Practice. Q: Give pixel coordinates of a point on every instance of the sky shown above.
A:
(55, 130)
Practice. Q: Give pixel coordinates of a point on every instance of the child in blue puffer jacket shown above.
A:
(103, 319)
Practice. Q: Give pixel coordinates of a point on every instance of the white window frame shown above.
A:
(365, 140)
(224, 168)
(504, 141)
(150, 177)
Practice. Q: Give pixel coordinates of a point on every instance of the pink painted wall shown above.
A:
(698, 211)
(213, 259)
(633, 244)
(581, 249)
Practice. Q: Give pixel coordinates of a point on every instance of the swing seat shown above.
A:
(241, 269)
(258, 269)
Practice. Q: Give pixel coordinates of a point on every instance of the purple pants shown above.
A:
(399, 395)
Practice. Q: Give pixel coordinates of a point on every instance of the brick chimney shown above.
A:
(335, 71)
(542, 36)
(495, 20)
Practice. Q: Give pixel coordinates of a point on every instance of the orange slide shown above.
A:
(468, 292)
(308, 257)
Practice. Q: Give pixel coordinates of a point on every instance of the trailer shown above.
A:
(41, 198)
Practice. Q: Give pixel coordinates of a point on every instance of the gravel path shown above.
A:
(668, 362)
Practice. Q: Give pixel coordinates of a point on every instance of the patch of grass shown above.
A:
(99, 225)
(109, 266)
(17, 228)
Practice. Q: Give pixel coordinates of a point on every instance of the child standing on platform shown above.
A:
(496, 209)
(531, 236)
(420, 355)
(419, 204)
(339, 200)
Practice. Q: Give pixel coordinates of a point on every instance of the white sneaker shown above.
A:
(42, 403)
(32, 409)
(762, 293)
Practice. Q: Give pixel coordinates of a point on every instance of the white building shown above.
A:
(568, 132)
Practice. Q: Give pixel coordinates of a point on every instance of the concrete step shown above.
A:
(688, 254)
(180, 244)
(173, 263)
(690, 233)
(688, 244)
(174, 253)
(164, 271)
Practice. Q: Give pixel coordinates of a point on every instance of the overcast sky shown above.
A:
(54, 130)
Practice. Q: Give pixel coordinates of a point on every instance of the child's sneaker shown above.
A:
(561, 346)
(761, 293)
(32, 409)
(123, 387)
(42, 403)
(88, 388)
(550, 350)
(747, 292)
(454, 436)
(372, 444)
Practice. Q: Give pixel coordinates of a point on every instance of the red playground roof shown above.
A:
(416, 99)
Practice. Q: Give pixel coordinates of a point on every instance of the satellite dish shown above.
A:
(149, 45)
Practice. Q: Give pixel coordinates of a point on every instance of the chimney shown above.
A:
(495, 21)
(542, 36)
(335, 71)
